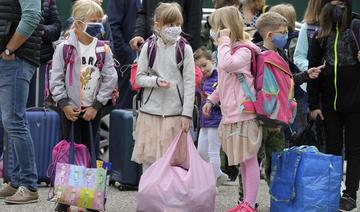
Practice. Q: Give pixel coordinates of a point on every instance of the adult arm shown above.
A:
(301, 50)
(140, 27)
(116, 14)
(30, 18)
(53, 29)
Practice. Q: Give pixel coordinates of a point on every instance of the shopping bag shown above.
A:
(78, 185)
(172, 187)
(303, 179)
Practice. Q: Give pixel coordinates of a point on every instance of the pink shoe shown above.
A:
(235, 209)
(246, 207)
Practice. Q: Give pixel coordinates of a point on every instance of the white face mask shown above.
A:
(212, 35)
(171, 34)
(243, 2)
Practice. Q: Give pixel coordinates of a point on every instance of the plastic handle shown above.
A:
(92, 147)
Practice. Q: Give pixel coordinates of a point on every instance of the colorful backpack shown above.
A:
(69, 59)
(151, 51)
(274, 102)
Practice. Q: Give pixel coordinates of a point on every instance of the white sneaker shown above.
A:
(222, 179)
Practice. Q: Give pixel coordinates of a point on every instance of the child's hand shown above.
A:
(185, 124)
(163, 83)
(314, 72)
(359, 56)
(207, 109)
(71, 113)
(90, 114)
(224, 32)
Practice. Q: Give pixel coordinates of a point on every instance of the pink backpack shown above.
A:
(274, 103)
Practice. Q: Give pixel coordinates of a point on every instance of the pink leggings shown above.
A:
(250, 173)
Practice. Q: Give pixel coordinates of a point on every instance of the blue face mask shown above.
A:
(280, 40)
(93, 29)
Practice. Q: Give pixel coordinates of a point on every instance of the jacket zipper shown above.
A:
(178, 90)
(336, 64)
(147, 99)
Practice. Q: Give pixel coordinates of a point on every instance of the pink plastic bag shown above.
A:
(169, 188)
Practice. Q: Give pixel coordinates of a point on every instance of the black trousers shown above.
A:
(82, 131)
(340, 128)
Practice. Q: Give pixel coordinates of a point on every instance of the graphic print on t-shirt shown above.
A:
(90, 74)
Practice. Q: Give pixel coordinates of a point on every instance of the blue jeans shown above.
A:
(15, 78)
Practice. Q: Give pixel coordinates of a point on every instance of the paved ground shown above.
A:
(121, 201)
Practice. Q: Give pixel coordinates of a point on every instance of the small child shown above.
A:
(168, 96)
(83, 89)
(273, 28)
(240, 133)
(209, 142)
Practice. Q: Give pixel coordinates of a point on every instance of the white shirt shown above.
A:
(90, 74)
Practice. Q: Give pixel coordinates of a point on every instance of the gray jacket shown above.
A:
(178, 100)
(65, 94)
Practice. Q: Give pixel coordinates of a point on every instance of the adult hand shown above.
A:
(315, 113)
(163, 83)
(207, 109)
(90, 114)
(136, 42)
(8, 57)
(359, 56)
(185, 124)
(71, 113)
(314, 72)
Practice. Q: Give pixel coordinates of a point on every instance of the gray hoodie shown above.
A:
(178, 100)
(65, 94)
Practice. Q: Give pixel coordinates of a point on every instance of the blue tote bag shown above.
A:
(303, 179)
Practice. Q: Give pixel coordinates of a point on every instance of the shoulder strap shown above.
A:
(151, 51)
(180, 53)
(253, 57)
(100, 52)
(69, 59)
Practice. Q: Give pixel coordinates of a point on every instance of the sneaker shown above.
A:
(347, 203)
(62, 207)
(243, 207)
(23, 196)
(222, 179)
(7, 191)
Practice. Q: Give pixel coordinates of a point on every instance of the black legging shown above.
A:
(340, 127)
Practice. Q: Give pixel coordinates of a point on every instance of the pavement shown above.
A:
(125, 201)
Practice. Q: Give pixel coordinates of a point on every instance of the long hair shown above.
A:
(327, 23)
(229, 17)
(256, 5)
(312, 13)
(288, 11)
(168, 13)
(85, 8)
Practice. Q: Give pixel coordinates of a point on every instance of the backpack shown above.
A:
(151, 52)
(274, 102)
(69, 59)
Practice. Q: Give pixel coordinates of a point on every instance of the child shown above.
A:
(273, 28)
(339, 89)
(209, 142)
(168, 96)
(83, 89)
(240, 133)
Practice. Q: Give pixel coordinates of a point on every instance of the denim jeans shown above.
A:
(15, 77)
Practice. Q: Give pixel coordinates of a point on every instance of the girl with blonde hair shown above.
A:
(240, 133)
(169, 93)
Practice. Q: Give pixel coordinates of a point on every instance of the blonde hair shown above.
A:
(229, 17)
(168, 13)
(312, 13)
(288, 11)
(85, 8)
(270, 21)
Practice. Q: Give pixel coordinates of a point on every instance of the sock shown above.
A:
(251, 178)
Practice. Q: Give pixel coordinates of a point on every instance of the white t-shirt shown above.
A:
(90, 74)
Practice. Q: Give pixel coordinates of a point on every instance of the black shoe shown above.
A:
(62, 207)
(347, 203)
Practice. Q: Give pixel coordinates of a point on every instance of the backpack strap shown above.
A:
(253, 57)
(180, 53)
(151, 51)
(100, 52)
(69, 59)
